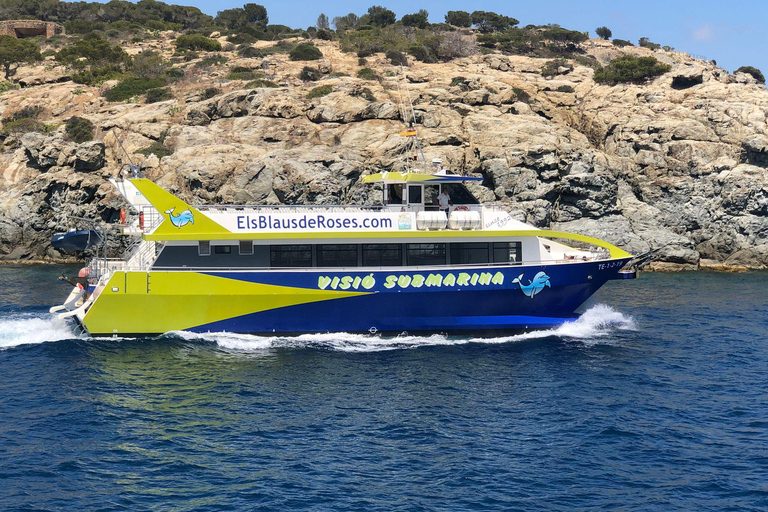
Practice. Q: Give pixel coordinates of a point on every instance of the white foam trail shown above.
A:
(28, 328)
(597, 322)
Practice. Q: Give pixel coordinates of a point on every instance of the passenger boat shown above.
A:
(403, 265)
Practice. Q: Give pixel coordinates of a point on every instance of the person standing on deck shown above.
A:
(444, 200)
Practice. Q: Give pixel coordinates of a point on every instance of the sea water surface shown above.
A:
(656, 399)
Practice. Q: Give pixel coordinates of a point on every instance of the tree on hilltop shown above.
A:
(604, 32)
(419, 20)
(322, 22)
(491, 22)
(242, 17)
(17, 51)
(756, 73)
(459, 19)
(379, 16)
(347, 22)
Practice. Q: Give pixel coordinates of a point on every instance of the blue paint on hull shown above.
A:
(481, 307)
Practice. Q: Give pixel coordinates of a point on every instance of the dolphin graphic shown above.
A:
(537, 284)
(181, 219)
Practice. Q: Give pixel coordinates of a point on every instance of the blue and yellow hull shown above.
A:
(471, 299)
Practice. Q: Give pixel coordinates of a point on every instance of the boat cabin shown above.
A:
(415, 192)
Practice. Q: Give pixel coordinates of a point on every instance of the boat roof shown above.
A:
(416, 177)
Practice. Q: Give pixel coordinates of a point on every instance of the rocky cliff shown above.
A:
(678, 163)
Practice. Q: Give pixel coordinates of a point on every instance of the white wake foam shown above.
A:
(29, 328)
(597, 322)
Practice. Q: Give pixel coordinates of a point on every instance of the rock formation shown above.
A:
(677, 164)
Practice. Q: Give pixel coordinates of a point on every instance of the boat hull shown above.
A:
(471, 299)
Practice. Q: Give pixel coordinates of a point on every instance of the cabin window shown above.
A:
(414, 194)
(469, 253)
(336, 255)
(290, 256)
(222, 249)
(246, 247)
(204, 248)
(395, 193)
(507, 252)
(382, 255)
(430, 194)
(459, 194)
(426, 254)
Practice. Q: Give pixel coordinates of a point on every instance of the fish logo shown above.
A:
(182, 219)
(537, 284)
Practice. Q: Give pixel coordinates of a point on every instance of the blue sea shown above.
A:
(656, 399)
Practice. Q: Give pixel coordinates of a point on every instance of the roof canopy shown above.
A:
(415, 177)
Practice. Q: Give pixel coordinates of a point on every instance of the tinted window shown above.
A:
(395, 193)
(426, 254)
(222, 249)
(469, 253)
(414, 194)
(382, 255)
(459, 193)
(290, 256)
(336, 255)
(507, 252)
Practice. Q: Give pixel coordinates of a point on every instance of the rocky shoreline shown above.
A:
(678, 168)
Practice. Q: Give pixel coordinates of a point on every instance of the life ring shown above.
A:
(461, 209)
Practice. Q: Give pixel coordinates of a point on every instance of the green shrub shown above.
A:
(260, 84)
(97, 75)
(211, 60)
(397, 58)
(367, 74)
(306, 51)
(210, 92)
(565, 88)
(646, 43)
(310, 74)
(364, 93)
(552, 67)
(94, 60)
(421, 53)
(156, 148)
(586, 60)
(158, 94)
(149, 64)
(630, 69)
(319, 92)
(25, 125)
(756, 73)
(30, 112)
(8, 86)
(133, 86)
(521, 95)
(197, 42)
(79, 129)
(175, 74)
(621, 43)
(241, 38)
(249, 52)
(242, 75)
(458, 80)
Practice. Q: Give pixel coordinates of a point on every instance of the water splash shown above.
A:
(597, 322)
(32, 328)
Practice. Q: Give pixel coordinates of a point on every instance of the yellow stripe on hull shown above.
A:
(158, 302)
